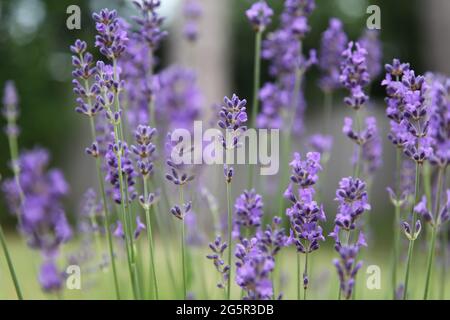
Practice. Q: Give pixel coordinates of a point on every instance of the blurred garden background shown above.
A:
(34, 52)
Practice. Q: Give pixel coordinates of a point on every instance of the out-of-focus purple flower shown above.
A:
(333, 43)
(259, 15)
(371, 42)
(218, 248)
(248, 211)
(353, 201)
(127, 168)
(295, 16)
(253, 270)
(150, 23)
(178, 100)
(111, 38)
(50, 278)
(354, 76)
(43, 220)
(320, 143)
(439, 129)
(444, 215)
(119, 232)
(422, 209)
(11, 109)
(192, 12)
(371, 154)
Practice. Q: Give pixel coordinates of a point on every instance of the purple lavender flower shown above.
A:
(127, 168)
(248, 211)
(273, 238)
(179, 173)
(253, 270)
(144, 149)
(259, 15)
(139, 228)
(305, 171)
(218, 249)
(10, 109)
(354, 76)
(192, 11)
(353, 201)
(112, 38)
(347, 268)
(371, 42)
(50, 278)
(333, 43)
(43, 220)
(150, 23)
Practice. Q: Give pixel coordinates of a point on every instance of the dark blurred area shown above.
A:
(34, 52)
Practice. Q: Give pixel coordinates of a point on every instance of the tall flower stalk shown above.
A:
(11, 112)
(232, 119)
(84, 71)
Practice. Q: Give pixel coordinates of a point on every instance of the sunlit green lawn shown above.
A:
(98, 284)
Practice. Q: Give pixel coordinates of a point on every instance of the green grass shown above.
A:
(202, 277)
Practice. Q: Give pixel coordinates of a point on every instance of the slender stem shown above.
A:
(359, 146)
(105, 208)
(427, 184)
(444, 249)
(150, 241)
(256, 85)
(299, 277)
(305, 275)
(435, 231)
(396, 225)
(413, 229)
(12, 271)
(230, 247)
(183, 249)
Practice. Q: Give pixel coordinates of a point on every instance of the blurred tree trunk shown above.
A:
(436, 28)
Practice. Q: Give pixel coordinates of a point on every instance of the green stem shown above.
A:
(305, 274)
(150, 242)
(435, 231)
(256, 85)
(183, 249)
(299, 276)
(12, 271)
(396, 224)
(105, 208)
(413, 229)
(230, 247)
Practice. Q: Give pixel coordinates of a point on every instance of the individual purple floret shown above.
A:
(253, 270)
(353, 201)
(371, 42)
(150, 23)
(354, 76)
(192, 11)
(259, 15)
(139, 228)
(218, 249)
(50, 278)
(128, 172)
(111, 38)
(333, 43)
(248, 212)
(42, 217)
